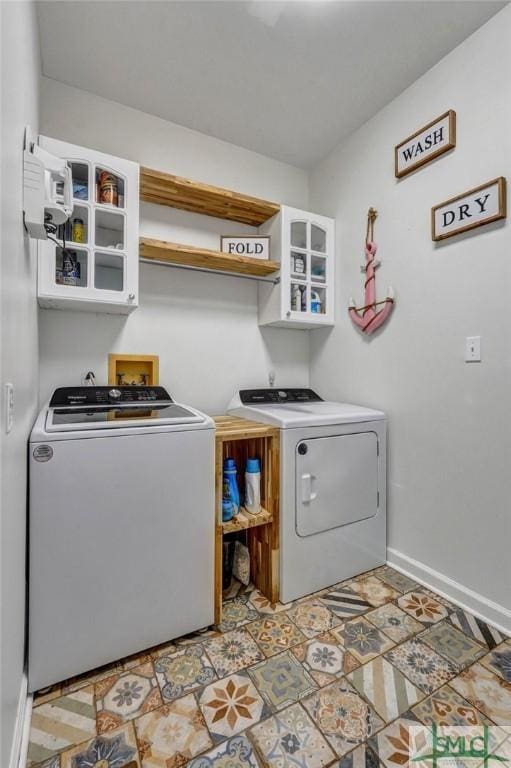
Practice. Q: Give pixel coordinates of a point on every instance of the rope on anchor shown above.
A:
(372, 213)
(374, 304)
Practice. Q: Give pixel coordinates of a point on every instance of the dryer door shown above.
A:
(336, 481)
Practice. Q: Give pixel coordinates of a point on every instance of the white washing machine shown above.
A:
(121, 527)
(333, 486)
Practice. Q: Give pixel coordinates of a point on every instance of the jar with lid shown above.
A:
(108, 189)
(78, 231)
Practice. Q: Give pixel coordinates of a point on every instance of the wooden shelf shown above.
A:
(245, 520)
(204, 258)
(236, 428)
(187, 195)
(239, 439)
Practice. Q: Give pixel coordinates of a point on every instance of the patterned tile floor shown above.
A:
(331, 680)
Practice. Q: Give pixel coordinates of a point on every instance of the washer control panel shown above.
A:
(278, 396)
(68, 396)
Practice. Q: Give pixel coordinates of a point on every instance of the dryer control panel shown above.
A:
(276, 396)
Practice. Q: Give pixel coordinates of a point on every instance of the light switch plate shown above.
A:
(473, 349)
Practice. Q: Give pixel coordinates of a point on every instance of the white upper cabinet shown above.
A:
(303, 243)
(95, 264)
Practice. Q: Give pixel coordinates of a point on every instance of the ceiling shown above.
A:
(287, 79)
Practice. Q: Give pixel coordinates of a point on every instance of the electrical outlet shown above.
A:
(9, 406)
(473, 349)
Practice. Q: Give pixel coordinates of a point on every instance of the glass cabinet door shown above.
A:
(80, 173)
(71, 267)
(94, 264)
(319, 269)
(299, 234)
(109, 187)
(318, 238)
(308, 267)
(109, 271)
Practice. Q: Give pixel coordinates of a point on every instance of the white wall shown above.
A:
(203, 327)
(449, 422)
(19, 352)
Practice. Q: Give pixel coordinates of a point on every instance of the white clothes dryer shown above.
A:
(333, 486)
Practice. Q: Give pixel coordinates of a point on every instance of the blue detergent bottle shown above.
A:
(231, 487)
(227, 508)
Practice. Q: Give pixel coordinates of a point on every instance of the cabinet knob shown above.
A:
(288, 314)
(131, 297)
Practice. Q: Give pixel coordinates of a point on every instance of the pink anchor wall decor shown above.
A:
(371, 319)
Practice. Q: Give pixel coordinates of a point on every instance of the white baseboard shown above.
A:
(465, 598)
(19, 747)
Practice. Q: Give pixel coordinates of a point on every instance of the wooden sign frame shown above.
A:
(500, 181)
(446, 147)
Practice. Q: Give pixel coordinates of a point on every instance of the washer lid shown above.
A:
(76, 419)
(312, 414)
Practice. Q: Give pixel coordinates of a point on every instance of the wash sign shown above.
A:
(428, 142)
(469, 210)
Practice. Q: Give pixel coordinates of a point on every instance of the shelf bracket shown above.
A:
(274, 280)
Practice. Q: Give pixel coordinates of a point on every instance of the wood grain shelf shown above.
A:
(177, 192)
(236, 428)
(245, 520)
(204, 258)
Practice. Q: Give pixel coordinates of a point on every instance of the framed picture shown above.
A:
(475, 208)
(430, 141)
(253, 246)
(133, 370)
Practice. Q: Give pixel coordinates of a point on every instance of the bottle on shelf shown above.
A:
(78, 231)
(299, 264)
(231, 490)
(303, 302)
(227, 508)
(253, 486)
(315, 302)
(296, 298)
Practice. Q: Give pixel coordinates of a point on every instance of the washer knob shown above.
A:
(115, 394)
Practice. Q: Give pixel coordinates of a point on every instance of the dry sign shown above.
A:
(253, 246)
(471, 209)
(428, 142)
